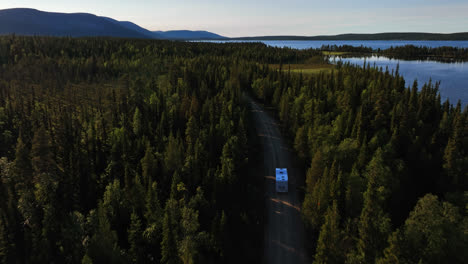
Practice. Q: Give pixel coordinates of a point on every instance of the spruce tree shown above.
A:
(22, 167)
(148, 166)
(329, 244)
(169, 249)
(188, 245)
(135, 239)
(374, 224)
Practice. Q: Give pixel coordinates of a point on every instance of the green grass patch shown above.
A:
(312, 71)
(334, 53)
(305, 68)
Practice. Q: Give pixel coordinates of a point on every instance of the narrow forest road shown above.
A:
(284, 230)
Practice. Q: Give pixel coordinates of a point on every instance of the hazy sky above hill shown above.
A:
(235, 18)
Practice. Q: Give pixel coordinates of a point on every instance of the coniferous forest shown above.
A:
(143, 151)
(387, 165)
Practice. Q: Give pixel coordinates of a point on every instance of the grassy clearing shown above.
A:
(334, 53)
(305, 68)
(312, 71)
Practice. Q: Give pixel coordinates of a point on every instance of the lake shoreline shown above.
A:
(453, 77)
(374, 44)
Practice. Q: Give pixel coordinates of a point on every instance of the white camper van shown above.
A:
(281, 180)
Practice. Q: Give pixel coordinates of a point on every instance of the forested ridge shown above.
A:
(141, 151)
(387, 175)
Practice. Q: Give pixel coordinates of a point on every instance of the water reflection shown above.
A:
(453, 76)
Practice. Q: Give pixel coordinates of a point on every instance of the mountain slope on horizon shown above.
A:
(132, 26)
(188, 34)
(375, 36)
(26, 21)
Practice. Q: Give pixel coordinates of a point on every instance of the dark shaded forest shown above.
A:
(142, 151)
(118, 151)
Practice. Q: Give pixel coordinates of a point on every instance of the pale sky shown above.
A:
(235, 18)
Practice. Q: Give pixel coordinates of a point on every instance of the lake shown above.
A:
(453, 76)
(375, 44)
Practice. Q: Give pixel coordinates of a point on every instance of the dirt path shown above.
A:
(284, 231)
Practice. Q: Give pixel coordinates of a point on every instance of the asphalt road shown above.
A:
(284, 230)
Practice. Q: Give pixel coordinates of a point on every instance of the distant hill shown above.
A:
(23, 21)
(135, 27)
(187, 34)
(378, 36)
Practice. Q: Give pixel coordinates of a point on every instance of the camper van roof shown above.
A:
(281, 174)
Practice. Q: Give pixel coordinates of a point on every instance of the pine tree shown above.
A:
(317, 201)
(41, 154)
(374, 224)
(353, 196)
(136, 196)
(392, 254)
(169, 249)
(229, 159)
(174, 155)
(73, 232)
(135, 239)
(148, 166)
(137, 123)
(315, 171)
(300, 143)
(154, 219)
(103, 247)
(329, 248)
(153, 211)
(455, 162)
(22, 167)
(188, 246)
(191, 134)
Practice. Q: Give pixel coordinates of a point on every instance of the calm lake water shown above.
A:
(453, 76)
(375, 44)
